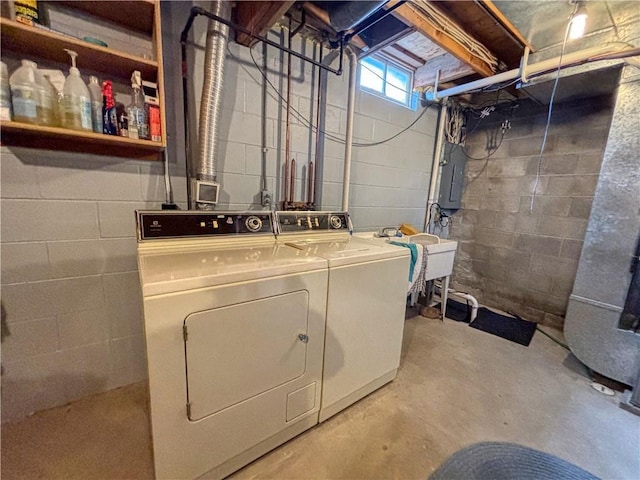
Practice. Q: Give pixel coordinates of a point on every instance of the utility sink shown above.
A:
(441, 251)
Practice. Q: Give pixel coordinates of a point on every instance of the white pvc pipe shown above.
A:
(435, 167)
(533, 69)
(472, 300)
(351, 106)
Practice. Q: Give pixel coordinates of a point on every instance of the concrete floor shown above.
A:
(456, 386)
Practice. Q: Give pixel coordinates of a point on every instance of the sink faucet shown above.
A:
(389, 232)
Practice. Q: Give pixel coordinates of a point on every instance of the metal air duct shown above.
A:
(205, 188)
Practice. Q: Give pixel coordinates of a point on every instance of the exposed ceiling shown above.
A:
(429, 36)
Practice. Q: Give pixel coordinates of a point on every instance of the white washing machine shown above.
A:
(234, 327)
(365, 304)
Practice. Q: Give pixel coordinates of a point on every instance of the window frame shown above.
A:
(410, 103)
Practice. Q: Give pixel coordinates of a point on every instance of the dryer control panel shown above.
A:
(168, 224)
(296, 221)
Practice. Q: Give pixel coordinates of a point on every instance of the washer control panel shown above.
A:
(292, 222)
(186, 224)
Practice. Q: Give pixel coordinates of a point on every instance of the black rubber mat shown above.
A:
(513, 329)
(460, 312)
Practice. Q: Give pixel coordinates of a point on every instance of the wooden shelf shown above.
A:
(33, 41)
(23, 41)
(136, 15)
(53, 138)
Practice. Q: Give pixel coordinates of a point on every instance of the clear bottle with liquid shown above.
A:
(138, 121)
(5, 94)
(47, 93)
(25, 94)
(96, 103)
(77, 99)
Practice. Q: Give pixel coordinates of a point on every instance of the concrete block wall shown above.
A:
(69, 276)
(510, 257)
(389, 182)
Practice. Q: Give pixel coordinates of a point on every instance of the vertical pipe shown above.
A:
(168, 191)
(310, 182)
(187, 126)
(287, 153)
(211, 99)
(293, 180)
(435, 167)
(351, 105)
(263, 139)
(312, 198)
(314, 185)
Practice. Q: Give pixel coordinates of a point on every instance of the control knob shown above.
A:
(335, 221)
(253, 223)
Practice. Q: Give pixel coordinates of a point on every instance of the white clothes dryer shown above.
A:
(234, 328)
(365, 304)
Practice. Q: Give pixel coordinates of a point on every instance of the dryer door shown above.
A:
(239, 351)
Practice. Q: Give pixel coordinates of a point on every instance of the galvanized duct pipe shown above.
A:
(211, 100)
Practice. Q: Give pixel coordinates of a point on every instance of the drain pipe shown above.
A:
(435, 166)
(351, 106)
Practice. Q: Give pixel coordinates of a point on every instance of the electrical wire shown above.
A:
(441, 23)
(562, 344)
(550, 111)
(315, 128)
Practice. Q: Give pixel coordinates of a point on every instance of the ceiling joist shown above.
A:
(258, 17)
(413, 16)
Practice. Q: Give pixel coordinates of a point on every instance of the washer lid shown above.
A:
(346, 251)
(171, 271)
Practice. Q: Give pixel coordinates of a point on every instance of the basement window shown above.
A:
(388, 80)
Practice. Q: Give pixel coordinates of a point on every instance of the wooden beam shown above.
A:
(258, 17)
(415, 17)
(499, 17)
(450, 69)
(409, 54)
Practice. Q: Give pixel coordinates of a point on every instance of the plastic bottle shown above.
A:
(5, 93)
(77, 99)
(47, 94)
(25, 94)
(56, 79)
(138, 120)
(109, 116)
(96, 103)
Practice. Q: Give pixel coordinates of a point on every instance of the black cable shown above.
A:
(324, 133)
(562, 344)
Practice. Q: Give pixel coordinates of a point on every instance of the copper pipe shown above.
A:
(293, 180)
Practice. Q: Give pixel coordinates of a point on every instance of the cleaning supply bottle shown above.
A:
(109, 116)
(25, 94)
(136, 113)
(47, 94)
(5, 94)
(96, 104)
(77, 99)
(56, 80)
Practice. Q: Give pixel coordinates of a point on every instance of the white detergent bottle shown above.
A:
(77, 99)
(25, 94)
(96, 103)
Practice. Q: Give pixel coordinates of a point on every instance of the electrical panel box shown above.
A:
(452, 179)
